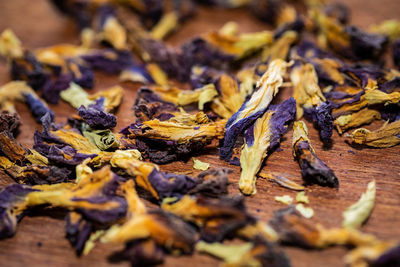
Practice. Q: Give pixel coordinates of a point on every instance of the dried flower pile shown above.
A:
(100, 177)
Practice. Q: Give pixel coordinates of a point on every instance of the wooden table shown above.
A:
(40, 239)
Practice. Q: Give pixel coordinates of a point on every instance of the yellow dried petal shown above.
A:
(356, 214)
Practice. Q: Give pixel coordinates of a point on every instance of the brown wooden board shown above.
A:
(40, 239)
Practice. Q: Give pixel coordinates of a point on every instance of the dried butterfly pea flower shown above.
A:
(108, 60)
(9, 122)
(28, 69)
(230, 98)
(96, 116)
(77, 230)
(35, 173)
(10, 148)
(257, 253)
(295, 229)
(136, 73)
(76, 96)
(167, 24)
(364, 116)
(349, 41)
(165, 229)
(94, 198)
(203, 75)
(112, 97)
(212, 183)
(386, 136)
(168, 140)
(104, 139)
(201, 96)
(150, 105)
(110, 29)
(268, 87)
(261, 139)
(356, 214)
(313, 169)
(216, 218)
(310, 100)
(62, 145)
(12, 202)
(160, 185)
(38, 107)
(281, 46)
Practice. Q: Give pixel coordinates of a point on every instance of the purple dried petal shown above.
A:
(10, 196)
(52, 89)
(109, 61)
(322, 119)
(313, 169)
(38, 107)
(77, 232)
(96, 117)
(30, 70)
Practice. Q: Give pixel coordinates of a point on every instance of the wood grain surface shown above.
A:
(40, 239)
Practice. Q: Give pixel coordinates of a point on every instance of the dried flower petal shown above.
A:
(356, 214)
(313, 169)
(268, 87)
(386, 136)
(261, 139)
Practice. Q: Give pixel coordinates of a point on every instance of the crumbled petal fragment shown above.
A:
(200, 165)
(356, 214)
(302, 198)
(282, 180)
(286, 199)
(313, 169)
(307, 212)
